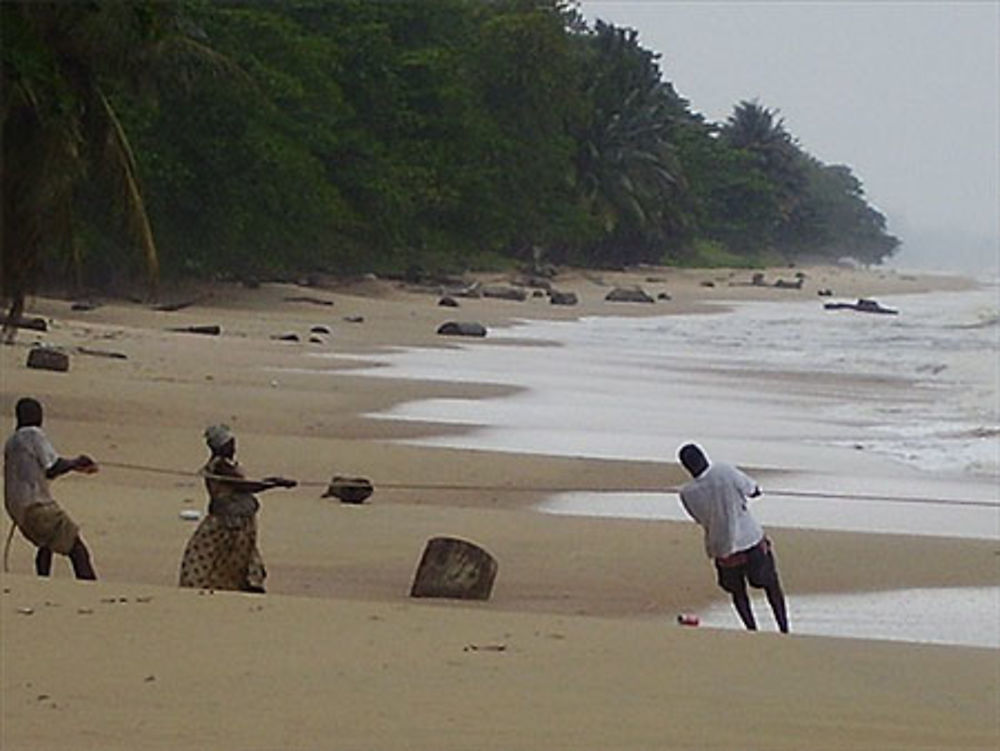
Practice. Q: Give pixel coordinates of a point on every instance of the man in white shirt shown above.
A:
(717, 499)
(30, 462)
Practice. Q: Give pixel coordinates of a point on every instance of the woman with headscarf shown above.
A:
(222, 553)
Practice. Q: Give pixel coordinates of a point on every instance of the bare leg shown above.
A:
(79, 556)
(43, 561)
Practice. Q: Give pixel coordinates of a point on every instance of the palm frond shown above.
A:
(121, 157)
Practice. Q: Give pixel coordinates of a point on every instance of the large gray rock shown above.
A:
(562, 298)
(454, 568)
(461, 328)
(628, 294)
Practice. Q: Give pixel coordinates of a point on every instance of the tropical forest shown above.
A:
(145, 141)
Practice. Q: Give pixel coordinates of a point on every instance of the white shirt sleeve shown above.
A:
(43, 450)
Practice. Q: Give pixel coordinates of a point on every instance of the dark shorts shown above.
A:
(755, 565)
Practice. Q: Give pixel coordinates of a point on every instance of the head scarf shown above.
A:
(218, 436)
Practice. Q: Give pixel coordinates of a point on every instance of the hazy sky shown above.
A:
(906, 93)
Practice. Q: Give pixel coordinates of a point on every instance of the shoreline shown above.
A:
(339, 575)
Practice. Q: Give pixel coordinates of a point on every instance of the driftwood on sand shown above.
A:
(211, 329)
(35, 323)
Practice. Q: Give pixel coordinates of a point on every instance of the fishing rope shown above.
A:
(575, 489)
(547, 489)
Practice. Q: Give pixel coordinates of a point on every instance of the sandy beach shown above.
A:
(578, 647)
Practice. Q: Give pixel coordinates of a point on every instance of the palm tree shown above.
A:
(60, 128)
(760, 132)
(627, 170)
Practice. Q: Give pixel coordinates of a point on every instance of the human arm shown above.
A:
(61, 466)
(231, 476)
(747, 486)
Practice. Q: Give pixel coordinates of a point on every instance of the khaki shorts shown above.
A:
(48, 526)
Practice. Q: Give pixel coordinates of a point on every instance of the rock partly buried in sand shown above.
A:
(562, 298)
(461, 328)
(628, 294)
(454, 568)
(349, 489)
(448, 302)
(45, 358)
(505, 293)
(785, 284)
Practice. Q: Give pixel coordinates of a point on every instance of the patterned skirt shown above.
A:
(222, 554)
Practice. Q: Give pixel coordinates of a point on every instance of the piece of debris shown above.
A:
(319, 329)
(171, 307)
(863, 305)
(84, 305)
(190, 515)
(308, 299)
(354, 319)
(448, 302)
(485, 648)
(102, 353)
(25, 611)
(287, 337)
(46, 358)
(211, 329)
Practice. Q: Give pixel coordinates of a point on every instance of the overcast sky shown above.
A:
(906, 93)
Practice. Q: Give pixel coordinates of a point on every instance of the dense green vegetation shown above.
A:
(268, 138)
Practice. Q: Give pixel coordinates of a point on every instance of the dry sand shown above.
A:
(577, 647)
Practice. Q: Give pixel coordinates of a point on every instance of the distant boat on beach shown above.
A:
(863, 305)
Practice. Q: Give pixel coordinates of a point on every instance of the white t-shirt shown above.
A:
(26, 456)
(717, 500)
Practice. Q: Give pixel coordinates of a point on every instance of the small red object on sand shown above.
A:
(688, 619)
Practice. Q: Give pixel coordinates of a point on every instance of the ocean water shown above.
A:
(969, 616)
(921, 388)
